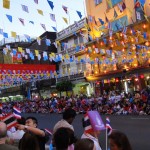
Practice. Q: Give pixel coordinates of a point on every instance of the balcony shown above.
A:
(71, 77)
(71, 29)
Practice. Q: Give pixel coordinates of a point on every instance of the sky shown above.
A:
(36, 30)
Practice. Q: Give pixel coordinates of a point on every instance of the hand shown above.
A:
(20, 127)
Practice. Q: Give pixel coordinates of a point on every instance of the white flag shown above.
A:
(138, 15)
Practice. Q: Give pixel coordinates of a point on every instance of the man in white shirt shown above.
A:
(68, 117)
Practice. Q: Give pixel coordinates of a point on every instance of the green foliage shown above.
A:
(64, 86)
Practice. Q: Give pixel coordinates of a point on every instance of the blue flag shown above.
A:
(5, 35)
(79, 14)
(50, 4)
(101, 21)
(31, 22)
(9, 17)
(54, 28)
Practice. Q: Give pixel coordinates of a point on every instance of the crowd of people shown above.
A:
(112, 102)
(27, 136)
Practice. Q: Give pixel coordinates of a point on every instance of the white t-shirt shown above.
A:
(62, 123)
(95, 140)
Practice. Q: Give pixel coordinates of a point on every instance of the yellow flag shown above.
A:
(58, 43)
(40, 12)
(109, 3)
(20, 49)
(65, 19)
(67, 56)
(6, 4)
(36, 52)
(13, 34)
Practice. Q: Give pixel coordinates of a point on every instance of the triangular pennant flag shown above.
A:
(6, 4)
(40, 12)
(36, 53)
(21, 20)
(138, 15)
(101, 21)
(43, 26)
(52, 16)
(115, 14)
(106, 19)
(5, 35)
(31, 22)
(13, 34)
(50, 4)
(109, 2)
(20, 49)
(79, 14)
(36, 1)
(54, 28)
(65, 8)
(9, 17)
(25, 8)
(27, 37)
(65, 19)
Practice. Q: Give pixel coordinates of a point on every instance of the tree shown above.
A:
(64, 86)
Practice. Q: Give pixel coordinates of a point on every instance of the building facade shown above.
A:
(120, 55)
(71, 50)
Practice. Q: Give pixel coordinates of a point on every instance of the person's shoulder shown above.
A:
(7, 147)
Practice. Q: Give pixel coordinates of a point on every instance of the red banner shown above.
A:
(30, 67)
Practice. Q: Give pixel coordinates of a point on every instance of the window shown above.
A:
(80, 38)
(97, 2)
(76, 40)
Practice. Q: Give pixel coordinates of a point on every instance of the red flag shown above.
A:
(21, 20)
(10, 120)
(137, 4)
(65, 8)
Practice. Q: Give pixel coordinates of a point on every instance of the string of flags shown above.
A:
(6, 5)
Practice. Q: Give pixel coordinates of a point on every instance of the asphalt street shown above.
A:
(137, 128)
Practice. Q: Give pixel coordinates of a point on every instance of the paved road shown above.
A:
(137, 128)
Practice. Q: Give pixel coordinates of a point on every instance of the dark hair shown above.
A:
(69, 113)
(84, 144)
(29, 142)
(21, 121)
(33, 118)
(63, 137)
(120, 139)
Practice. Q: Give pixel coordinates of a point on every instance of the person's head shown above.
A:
(69, 115)
(84, 144)
(31, 121)
(119, 141)
(63, 137)
(3, 130)
(21, 121)
(29, 142)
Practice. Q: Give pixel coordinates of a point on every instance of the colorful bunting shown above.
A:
(13, 34)
(40, 12)
(65, 8)
(65, 19)
(50, 4)
(101, 21)
(54, 28)
(36, 1)
(9, 17)
(79, 14)
(43, 26)
(115, 14)
(52, 16)
(5, 35)
(31, 22)
(21, 20)
(6, 4)
(25, 8)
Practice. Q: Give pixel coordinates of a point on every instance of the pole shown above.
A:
(106, 139)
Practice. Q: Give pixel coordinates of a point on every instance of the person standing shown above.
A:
(31, 126)
(3, 138)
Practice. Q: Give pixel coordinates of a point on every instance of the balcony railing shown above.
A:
(71, 77)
